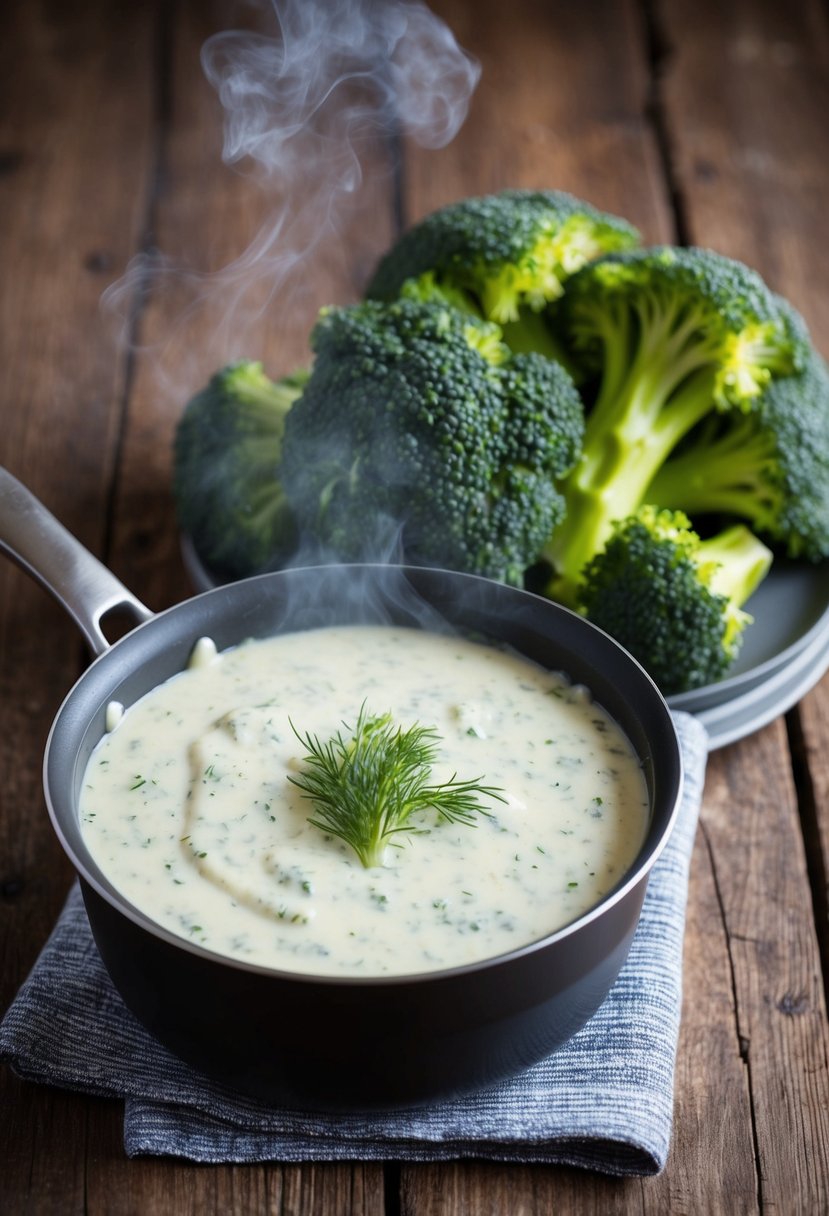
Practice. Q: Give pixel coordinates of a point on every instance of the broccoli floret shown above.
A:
(670, 335)
(227, 449)
(769, 467)
(503, 257)
(673, 600)
(419, 428)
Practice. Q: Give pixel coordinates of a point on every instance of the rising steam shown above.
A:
(306, 106)
(275, 91)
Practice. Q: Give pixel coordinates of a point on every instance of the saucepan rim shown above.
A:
(91, 874)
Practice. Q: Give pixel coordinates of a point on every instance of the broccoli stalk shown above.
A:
(673, 335)
(732, 565)
(675, 601)
(721, 471)
(420, 430)
(227, 449)
(769, 467)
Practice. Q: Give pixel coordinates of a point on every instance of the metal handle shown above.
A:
(31, 535)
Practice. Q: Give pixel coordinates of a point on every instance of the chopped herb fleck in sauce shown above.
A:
(222, 850)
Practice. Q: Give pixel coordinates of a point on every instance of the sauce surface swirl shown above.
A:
(187, 808)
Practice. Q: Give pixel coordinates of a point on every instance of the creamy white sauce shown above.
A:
(187, 808)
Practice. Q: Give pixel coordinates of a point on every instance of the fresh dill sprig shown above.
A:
(365, 785)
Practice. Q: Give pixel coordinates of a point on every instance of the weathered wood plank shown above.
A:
(562, 104)
(811, 732)
(219, 303)
(752, 830)
(43, 1136)
(745, 101)
(119, 1187)
(59, 379)
(711, 1167)
(746, 93)
(75, 132)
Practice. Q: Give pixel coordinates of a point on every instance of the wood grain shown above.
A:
(116, 1186)
(699, 121)
(745, 96)
(226, 289)
(748, 140)
(759, 870)
(557, 107)
(76, 95)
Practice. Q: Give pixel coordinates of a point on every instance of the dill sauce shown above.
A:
(187, 808)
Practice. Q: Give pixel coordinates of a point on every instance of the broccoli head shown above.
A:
(768, 467)
(503, 256)
(419, 427)
(674, 600)
(227, 449)
(669, 337)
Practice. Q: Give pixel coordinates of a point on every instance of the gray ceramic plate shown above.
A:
(791, 611)
(742, 715)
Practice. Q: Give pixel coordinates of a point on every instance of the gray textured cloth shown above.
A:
(604, 1101)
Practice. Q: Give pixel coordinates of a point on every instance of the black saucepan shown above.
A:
(327, 1042)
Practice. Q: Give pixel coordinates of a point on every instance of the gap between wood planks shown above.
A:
(162, 110)
(810, 823)
(735, 995)
(658, 52)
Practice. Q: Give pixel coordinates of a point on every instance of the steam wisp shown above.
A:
(306, 107)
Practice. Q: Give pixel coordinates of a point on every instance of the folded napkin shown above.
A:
(603, 1101)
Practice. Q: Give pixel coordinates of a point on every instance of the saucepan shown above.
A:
(323, 1042)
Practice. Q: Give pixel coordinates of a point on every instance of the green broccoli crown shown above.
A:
(673, 600)
(769, 468)
(418, 425)
(671, 335)
(502, 252)
(227, 449)
(695, 309)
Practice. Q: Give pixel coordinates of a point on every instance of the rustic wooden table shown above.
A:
(702, 122)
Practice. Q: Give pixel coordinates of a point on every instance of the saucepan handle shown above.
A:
(31, 535)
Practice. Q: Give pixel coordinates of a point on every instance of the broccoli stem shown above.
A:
(740, 563)
(532, 333)
(646, 403)
(267, 401)
(724, 473)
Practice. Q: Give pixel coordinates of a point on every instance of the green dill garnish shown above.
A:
(366, 785)
(139, 781)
